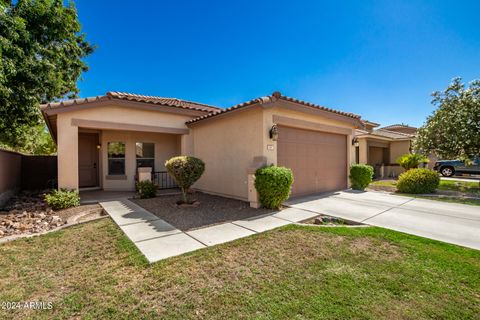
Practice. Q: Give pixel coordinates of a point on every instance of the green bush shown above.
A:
(418, 181)
(186, 171)
(62, 199)
(273, 185)
(146, 189)
(411, 160)
(361, 176)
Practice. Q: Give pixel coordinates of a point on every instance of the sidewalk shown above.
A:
(158, 240)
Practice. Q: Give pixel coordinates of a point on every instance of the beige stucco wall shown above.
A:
(67, 135)
(166, 146)
(397, 149)
(10, 174)
(268, 121)
(227, 145)
(67, 151)
(363, 151)
(392, 171)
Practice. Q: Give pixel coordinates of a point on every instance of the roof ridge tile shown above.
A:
(273, 97)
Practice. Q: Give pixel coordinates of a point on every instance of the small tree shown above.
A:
(186, 171)
(452, 131)
(411, 160)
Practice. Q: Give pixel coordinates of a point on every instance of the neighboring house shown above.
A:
(381, 147)
(102, 140)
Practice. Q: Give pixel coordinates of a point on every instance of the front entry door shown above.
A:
(87, 160)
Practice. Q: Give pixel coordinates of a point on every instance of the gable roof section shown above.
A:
(112, 95)
(386, 134)
(403, 128)
(272, 98)
(391, 134)
(398, 125)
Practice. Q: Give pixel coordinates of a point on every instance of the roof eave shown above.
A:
(49, 125)
(276, 96)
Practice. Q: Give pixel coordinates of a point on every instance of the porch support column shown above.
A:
(67, 150)
(186, 144)
(363, 151)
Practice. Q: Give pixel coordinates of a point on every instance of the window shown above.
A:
(116, 158)
(145, 154)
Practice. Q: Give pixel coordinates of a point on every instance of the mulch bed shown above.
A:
(212, 210)
(381, 188)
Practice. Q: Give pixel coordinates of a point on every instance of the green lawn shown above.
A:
(470, 201)
(466, 187)
(93, 271)
(461, 186)
(449, 185)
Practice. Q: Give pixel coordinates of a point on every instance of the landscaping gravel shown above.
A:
(27, 213)
(212, 210)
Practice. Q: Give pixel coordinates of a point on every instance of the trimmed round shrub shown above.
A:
(361, 175)
(62, 199)
(273, 185)
(418, 181)
(186, 171)
(146, 189)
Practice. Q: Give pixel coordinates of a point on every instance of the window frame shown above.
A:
(137, 158)
(116, 158)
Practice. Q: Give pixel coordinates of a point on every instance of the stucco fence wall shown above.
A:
(39, 172)
(19, 171)
(10, 174)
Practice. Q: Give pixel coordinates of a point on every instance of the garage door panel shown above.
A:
(318, 159)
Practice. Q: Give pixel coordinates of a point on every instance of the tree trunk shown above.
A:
(184, 195)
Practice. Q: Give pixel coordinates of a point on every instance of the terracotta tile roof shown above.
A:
(391, 134)
(174, 102)
(359, 132)
(171, 102)
(272, 98)
(397, 126)
(370, 123)
(66, 103)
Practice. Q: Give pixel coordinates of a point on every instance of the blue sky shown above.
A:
(379, 59)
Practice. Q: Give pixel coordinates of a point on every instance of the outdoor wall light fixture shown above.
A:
(99, 146)
(355, 142)
(274, 132)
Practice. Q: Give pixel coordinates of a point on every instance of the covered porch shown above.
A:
(103, 140)
(108, 156)
(382, 154)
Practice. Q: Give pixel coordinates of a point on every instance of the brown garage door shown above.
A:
(318, 159)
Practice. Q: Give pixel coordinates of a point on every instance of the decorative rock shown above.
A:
(27, 213)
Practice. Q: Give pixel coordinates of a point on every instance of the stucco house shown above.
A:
(381, 147)
(103, 140)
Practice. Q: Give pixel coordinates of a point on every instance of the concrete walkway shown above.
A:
(449, 222)
(158, 240)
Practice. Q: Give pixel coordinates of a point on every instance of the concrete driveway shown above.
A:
(449, 222)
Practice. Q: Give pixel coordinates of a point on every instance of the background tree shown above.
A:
(34, 140)
(453, 130)
(41, 51)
